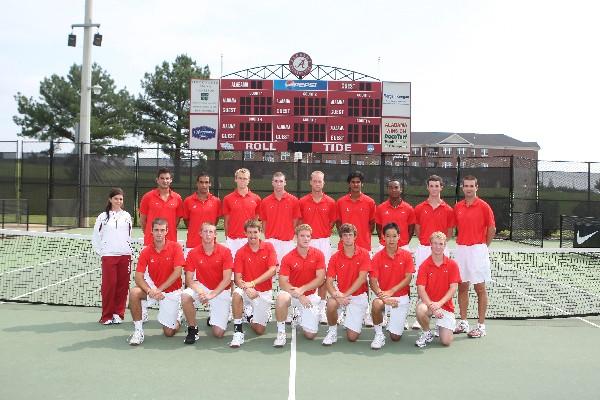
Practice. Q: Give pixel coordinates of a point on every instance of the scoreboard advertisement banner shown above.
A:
(300, 115)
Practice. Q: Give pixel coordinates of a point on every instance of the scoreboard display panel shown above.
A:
(300, 115)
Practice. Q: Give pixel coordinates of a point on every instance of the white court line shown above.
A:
(40, 264)
(54, 284)
(292, 379)
(544, 303)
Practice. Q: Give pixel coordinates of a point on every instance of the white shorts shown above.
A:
(421, 254)
(398, 315)
(261, 306)
(324, 245)
(473, 263)
(448, 321)
(186, 251)
(168, 308)
(355, 312)
(234, 245)
(282, 247)
(219, 306)
(309, 316)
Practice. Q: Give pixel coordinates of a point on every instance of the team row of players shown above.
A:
(208, 268)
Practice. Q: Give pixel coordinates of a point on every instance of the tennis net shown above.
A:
(60, 268)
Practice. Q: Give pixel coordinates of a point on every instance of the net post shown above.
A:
(589, 191)
(560, 224)
(135, 185)
(3, 207)
(511, 195)
(458, 174)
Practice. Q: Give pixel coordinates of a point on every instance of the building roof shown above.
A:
(470, 139)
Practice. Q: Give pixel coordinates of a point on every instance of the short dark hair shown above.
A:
(469, 178)
(435, 178)
(355, 174)
(164, 171)
(391, 225)
(201, 174)
(159, 221)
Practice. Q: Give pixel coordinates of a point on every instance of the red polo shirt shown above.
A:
(473, 221)
(239, 209)
(390, 271)
(160, 265)
(302, 270)
(279, 215)
(153, 206)
(403, 215)
(437, 280)
(345, 269)
(358, 213)
(432, 220)
(253, 264)
(320, 216)
(209, 268)
(196, 212)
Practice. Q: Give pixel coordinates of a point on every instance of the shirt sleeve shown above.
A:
(296, 211)
(421, 276)
(144, 206)
(365, 265)
(284, 268)
(186, 208)
(378, 215)
(142, 262)
(490, 220)
(97, 234)
(372, 211)
(190, 262)
(272, 258)
(451, 218)
(332, 212)
(225, 206)
(454, 275)
(219, 207)
(374, 272)
(227, 260)
(331, 268)
(238, 263)
(179, 212)
(409, 264)
(411, 220)
(320, 260)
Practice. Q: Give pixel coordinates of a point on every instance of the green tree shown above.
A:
(164, 105)
(55, 115)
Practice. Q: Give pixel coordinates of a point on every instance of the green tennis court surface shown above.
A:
(62, 352)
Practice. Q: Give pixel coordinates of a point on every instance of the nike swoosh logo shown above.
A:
(583, 239)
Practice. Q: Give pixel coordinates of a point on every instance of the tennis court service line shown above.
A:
(12, 271)
(292, 379)
(55, 283)
(544, 303)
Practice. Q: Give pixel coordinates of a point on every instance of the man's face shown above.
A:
(469, 188)
(242, 181)
(434, 188)
(391, 237)
(316, 183)
(159, 232)
(394, 190)
(348, 238)
(208, 234)
(303, 239)
(355, 185)
(438, 246)
(278, 183)
(203, 184)
(253, 235)
(164, 181)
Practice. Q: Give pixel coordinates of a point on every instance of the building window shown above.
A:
(360, 162)
(461, 151)
(430, 164)
(415, 163)
(447, 151)
(463, 164)
(330, 162)
(416, 151)
(474, 151)
(269, 157)
(248, 154)
(484, 152)
(284, 155)
(447, 164)
(484, 165)
(346, 162)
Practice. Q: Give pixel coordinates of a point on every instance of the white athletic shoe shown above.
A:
(117, 319)
(280, 340)
(330, 338)
(462, 327)
(108, 322)
(378, 341)
(237, 340)
(424, 339)
(416, 325)
(137, 338)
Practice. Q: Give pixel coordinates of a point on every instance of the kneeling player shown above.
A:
(349, 266)
(391, 272)
(254, 267)
(208, 278)
(158, 281)
(437, 281)
(302, 271)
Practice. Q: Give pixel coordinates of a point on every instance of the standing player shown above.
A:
(158, 281)
(302, 272)
(476, 229)
(238, 207)
(398, 211)
(432, 215)
(358, 209)
(161, 202)
(391, 273)
(199, 207)
(437, 281)
(318, 210)
(349, 267)
(207, 277)
(280, 213)
(254, 268)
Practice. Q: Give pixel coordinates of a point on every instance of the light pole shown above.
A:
(85, 107)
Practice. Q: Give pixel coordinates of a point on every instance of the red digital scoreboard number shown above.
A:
(298, 115)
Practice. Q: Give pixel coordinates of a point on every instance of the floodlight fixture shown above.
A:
(97, 40)
(72, 40)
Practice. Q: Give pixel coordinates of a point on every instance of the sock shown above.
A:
(280, 327)
(138, 325)
(378, 329)
(481, 326)
(237, 325)
(333, 328)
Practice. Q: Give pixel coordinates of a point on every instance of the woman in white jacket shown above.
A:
(112, 241)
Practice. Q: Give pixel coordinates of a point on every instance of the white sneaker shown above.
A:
(424, 339)
(462, 327)
(378, 341)
(330, 338)
(137, 338)
(280, 340)
(416, 325)
(117, 319)
(108, 322)
(237, 340)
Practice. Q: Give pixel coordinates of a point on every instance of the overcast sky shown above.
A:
(528, 69)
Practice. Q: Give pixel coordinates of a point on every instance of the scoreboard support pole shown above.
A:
(216, 174)
(381, 177)
(298, 178)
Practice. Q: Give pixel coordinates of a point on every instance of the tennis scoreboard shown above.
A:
(315, 116)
